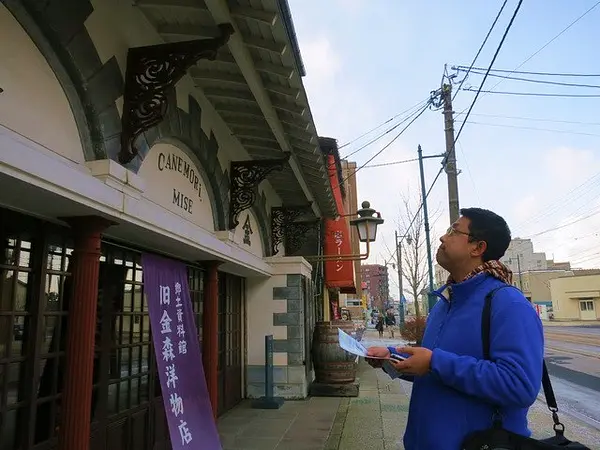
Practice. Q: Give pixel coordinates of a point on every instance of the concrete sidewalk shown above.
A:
(374, 420)
(571, 323)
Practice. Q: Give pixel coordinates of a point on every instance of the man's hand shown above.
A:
(418, 363)
(378, 352)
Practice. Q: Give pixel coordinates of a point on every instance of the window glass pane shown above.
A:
(20, 326)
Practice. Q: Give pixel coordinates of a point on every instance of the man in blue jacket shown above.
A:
(455, 390)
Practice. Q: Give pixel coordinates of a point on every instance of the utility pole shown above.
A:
(399, 267)
(519, 270)
(430, 297)
(450, 165)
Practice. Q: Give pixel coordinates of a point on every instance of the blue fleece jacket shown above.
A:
(459, 394)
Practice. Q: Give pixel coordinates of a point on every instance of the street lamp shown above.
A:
(398, 266)
(366, 226)
(368, 219)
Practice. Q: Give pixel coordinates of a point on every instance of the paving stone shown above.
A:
(375, 420)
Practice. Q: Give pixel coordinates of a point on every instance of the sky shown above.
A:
(369, 60)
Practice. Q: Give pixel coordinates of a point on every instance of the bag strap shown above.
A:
(486, 319)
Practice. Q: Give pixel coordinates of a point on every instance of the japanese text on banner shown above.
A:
(169, 354)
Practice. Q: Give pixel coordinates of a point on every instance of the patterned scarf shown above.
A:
(493, 268)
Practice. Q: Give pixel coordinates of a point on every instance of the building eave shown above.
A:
(255, 85)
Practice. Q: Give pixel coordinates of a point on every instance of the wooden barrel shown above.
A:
(332, 364)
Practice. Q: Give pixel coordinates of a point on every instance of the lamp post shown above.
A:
(430, 297)
(368, 219)
(398, 267)
(366, 225)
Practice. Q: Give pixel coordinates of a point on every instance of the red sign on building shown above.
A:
(339, 273)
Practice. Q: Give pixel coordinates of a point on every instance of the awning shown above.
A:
(338, 274)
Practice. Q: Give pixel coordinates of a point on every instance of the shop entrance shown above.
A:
(127, 407)
(231, 302)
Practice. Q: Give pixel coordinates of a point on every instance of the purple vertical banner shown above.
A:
(175, 337)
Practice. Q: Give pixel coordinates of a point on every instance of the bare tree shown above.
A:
(414, 249)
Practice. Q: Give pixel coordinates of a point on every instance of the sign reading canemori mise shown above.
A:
(178, 358)
(176, 163)
(174, 181)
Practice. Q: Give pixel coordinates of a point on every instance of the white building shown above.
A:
(441, 275)
(520, 256)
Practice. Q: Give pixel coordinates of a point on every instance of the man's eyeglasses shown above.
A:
(453, 231)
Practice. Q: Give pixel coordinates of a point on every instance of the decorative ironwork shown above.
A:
(281, 216)
(247, 230)
(297, 232)
(151, 72)
(245, 176)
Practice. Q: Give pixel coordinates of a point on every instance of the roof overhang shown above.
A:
(255, 86)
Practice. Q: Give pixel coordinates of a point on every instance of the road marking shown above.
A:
(576, 352)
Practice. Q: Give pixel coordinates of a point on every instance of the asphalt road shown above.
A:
(573, 360)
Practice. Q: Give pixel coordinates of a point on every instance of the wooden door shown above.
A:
(231, 297)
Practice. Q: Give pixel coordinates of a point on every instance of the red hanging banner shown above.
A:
(338, 273)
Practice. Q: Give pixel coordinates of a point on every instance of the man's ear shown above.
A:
(479, 249)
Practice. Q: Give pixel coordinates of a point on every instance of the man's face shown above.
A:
(458, 246)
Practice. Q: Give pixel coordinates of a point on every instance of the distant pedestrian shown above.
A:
(379, 326)
(456, 388)
(390, 323)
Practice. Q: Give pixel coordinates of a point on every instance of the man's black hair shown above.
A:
(489, 227)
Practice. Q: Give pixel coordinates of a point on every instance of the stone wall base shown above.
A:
(290, 382)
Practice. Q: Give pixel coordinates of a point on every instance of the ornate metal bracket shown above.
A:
(281, 217)
(151, 72)
(296, 233)
(245, 176)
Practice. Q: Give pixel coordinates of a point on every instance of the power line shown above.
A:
(469, 171)
(529, 80)
(546, 45)
(415, 106)
(480, 49)
(509, 26)
(384, 133)
(565, 225)
(553, 39)
(532, 128)
(421, 205)
(536, 94)
(389, 143)
(543, 74)
(392, 163)
(535, 119)
(552, 207)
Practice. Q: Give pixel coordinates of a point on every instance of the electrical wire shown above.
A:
(388, 144)
(392, 163)
(530, 80)
(536, 94)
(559, 203)
(469, 171)
(512, 19)
(565, 225)
(554, 38)
(564, 30)
(500, 125)
(415, 106)
(543, 74)
(384, 133)
(497, 52)
(480, 49)
(535, 119)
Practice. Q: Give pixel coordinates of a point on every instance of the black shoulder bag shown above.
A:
(496, 437)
